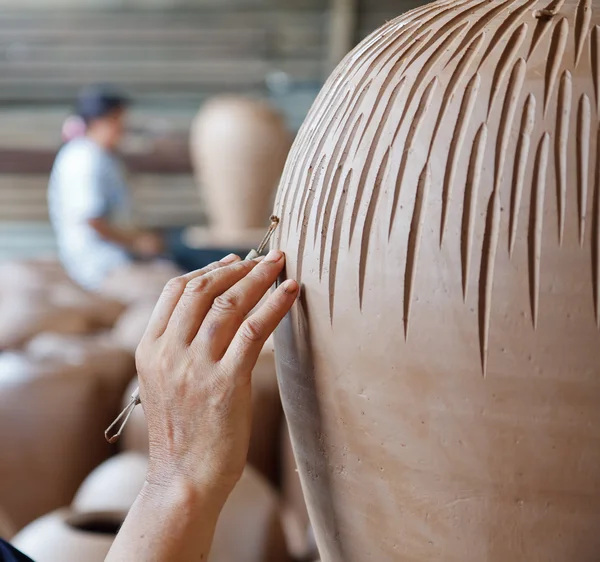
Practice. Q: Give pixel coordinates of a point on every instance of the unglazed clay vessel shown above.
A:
(63, 536)
(248, 530)
(440, 207)
(238, 148)
(131, 326)
(37, 296)
(104, 357)
(112, 486)
(7, 528)
(52, 420)
(249, 527)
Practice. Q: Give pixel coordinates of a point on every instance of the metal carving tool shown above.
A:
(263, 244)
(122, 419)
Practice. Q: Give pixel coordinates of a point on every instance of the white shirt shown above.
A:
(87, 183)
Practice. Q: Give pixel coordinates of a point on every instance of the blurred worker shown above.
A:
(88, 197)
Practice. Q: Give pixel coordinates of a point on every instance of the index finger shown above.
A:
(172, 293)
(244, 350)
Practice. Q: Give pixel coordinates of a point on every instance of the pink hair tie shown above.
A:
(73, 127)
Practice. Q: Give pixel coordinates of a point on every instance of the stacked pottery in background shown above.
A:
(238, 148)
(37, 296)
(65, 536)
(249, 528)
(60, 385)
(441, 210)
(53, 413)
(7, 527)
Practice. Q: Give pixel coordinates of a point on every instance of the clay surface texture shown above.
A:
(441, 209)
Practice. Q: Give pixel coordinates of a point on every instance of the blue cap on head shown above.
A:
(95, 102)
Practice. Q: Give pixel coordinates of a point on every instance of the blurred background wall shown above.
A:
(169, 55)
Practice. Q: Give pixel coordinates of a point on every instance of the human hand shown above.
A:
(195, 363)
(148, 244)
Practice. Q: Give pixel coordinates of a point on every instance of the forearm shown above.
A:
(120, 236)
(168, 524)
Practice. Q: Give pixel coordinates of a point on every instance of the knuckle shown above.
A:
(265, 273)
(174, 286)
(197, 285)
(210, 267)
(227, 302)
(265, 269)
(252, 330)
(140, 355)
(245, 265)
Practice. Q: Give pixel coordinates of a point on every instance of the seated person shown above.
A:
(88, 197)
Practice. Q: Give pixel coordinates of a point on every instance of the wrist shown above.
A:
(177, 486)
(193, 503)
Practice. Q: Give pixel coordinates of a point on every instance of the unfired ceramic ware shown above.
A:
(106, 359)
(37, 296)
(131, 326)
(113, 486)
(248, 530)
(52, 421)
(64, 536)
(295, 516)
(441, 210)
(238, 148)
(7, 528)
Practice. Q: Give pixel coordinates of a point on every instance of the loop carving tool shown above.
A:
(115, 429)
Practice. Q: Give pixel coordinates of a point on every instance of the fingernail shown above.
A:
(230, 258)
(274, 256)
(290, 287)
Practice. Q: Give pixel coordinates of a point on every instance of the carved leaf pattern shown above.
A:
(442, 59)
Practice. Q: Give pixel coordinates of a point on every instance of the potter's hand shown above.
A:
(195, 363)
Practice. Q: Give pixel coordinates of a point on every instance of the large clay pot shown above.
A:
(24, 314)
(106, 359)
(52, 421)
(37, 296)
(64, 536)
(31, 274)
(7, 528)
(131, 326)
(113, 486)
(249, 528)
(138, 282)
(267, 417)
(440, 207)
(296, 525)
(238, 147)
